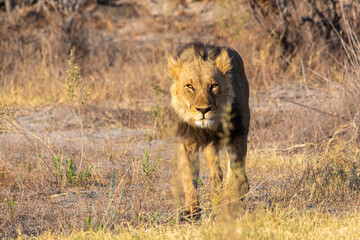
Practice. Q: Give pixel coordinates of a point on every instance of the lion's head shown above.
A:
(201, 86)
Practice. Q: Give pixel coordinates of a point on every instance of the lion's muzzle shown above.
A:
(203, 110)
(205, 117)
(204, 123)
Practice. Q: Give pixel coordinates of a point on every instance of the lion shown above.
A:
(210, 96)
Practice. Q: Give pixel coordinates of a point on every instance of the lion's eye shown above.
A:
(215, 85)
(189, 86)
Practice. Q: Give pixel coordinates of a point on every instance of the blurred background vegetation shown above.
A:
(303, 66)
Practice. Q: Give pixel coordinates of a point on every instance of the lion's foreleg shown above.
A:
(211, 152)
(236, 181)
(188, 159)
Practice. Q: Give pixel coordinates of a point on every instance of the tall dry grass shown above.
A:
(114, 176)
(35, 46)
(260, 225)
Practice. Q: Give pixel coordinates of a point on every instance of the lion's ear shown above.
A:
(174, 67)
(223, 62)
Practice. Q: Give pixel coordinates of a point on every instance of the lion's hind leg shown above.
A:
(236, 185)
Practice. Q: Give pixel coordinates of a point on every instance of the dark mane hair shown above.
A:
(204, 50)
(199, 135)
(203, 136)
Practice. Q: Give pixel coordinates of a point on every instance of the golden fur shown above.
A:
(210, 95)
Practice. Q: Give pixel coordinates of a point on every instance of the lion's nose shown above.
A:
(203, 110)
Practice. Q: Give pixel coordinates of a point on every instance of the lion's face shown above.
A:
(201, 89)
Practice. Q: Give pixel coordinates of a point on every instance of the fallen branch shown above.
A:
(314, 109)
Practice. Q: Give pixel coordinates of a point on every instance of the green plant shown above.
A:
(73, 177)
(93, 226)
(70, 171)
(88, 223)
(10, 209)
(57, 166)
(148, 169)
(85, 174)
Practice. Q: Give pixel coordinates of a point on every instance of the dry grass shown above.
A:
(105, 167)
(277, 224)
